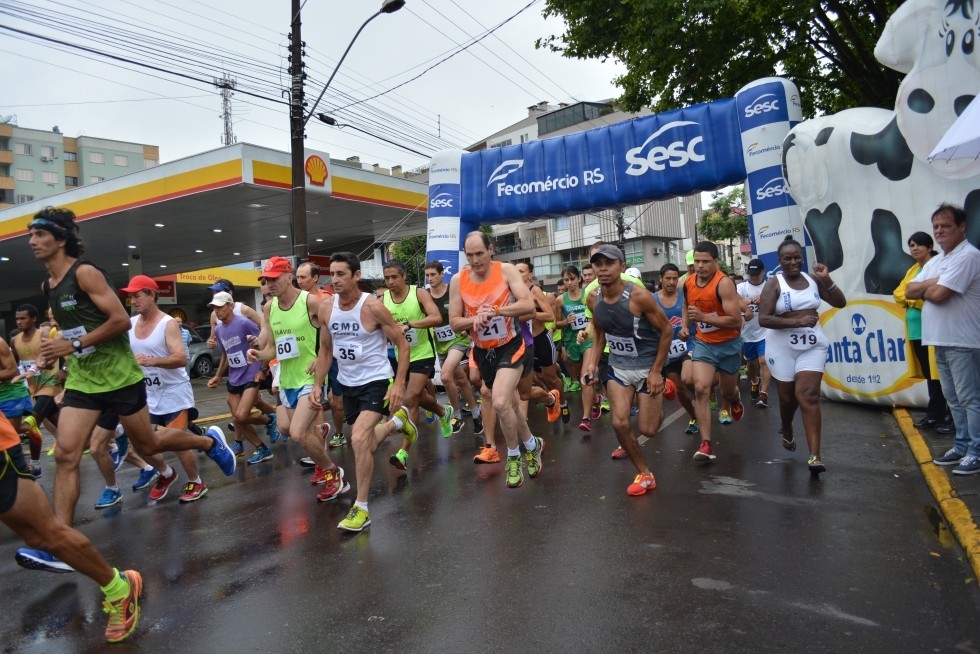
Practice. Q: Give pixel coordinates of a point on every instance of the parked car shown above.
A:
(203, 360)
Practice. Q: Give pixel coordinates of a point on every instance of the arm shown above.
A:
(266, 350)
(899, 293)
(9, 365)
(432, 316)
(457, 320)
(175, 345)
(767, 309)
(938, 293)
(93, 283)
(250, 313)
(324, 358)
(545, 311)
(729, 304)
(644, 303)
(590, 362)
(523, 300)
(396, 394)
(829, 291)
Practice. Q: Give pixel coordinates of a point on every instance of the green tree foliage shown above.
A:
(682, 52)
(411, 252)
(725, 218)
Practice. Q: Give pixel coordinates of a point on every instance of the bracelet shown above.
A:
(832, 288)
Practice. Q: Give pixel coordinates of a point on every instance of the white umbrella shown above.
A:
(962, 140)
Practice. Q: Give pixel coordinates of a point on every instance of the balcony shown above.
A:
(7, 183)
(6, 156)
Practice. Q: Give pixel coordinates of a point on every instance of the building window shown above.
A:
(4, 170)
(149, 163)
(23, 148)
(47, 151)
(96, 157)
(547, 265)
(71, 181)
(71, 156)
(25, 174)
(95, 178)
(49, 177)
(562, 224)
(120, 160)
(634, 253)
(501, 144)
(591, 219)
(21, 199)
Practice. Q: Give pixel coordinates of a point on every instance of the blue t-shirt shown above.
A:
(678, 348)
(233, 341)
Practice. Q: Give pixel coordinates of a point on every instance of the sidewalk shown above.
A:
(958, 496)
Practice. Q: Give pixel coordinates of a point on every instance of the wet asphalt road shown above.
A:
(745, 554)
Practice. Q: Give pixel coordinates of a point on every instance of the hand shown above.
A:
(54, 349)
(214, 381)
(144, 360)
(684, 334)
(259, 377)
(821, 274)
(395, 396)
(310, 369)
(807, 321)
(252, 356)
(655, 383)
(581, 336)
(589, 376)
(212, 342)
(695, 314)
(316, 395)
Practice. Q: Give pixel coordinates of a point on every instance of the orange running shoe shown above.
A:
(124, 614)
(554, 411)
(487, 455)
(642, 484)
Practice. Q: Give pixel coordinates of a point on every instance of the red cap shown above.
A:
(140, 283)
(275, 267)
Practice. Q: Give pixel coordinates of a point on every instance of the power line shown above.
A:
(63, 104)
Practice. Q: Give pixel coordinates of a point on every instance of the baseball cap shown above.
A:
(220, 299)
(608, 251)
(222, 285)
(633, 272)
(689, 257)
(140, 283)
(755, 267)
(275, 267)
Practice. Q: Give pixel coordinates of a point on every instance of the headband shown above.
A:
(51, 226)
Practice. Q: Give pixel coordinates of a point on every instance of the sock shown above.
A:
(530, 444)
(35, 463)
(553, 400)
(196, 480)
(147, 468)
(361, 505)
(118, 588)
(514, 452)
(113, 448)
(398, 422)
(564, 405)
(113, 488)
(478, 411)
(168, 472)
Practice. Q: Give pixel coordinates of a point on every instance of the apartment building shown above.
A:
(36, 164)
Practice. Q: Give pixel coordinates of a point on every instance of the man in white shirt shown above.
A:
(950, 285)
(754, 334)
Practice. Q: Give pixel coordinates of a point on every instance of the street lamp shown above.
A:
(298, 117)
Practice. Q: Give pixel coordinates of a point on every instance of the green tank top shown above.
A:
(444, 335)
(15, 391)
(406, 310)
(100, 368)
(576, 310)
(295, 338)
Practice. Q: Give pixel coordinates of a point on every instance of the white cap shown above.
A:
(634, 272)
(221, 299)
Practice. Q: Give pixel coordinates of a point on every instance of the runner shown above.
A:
(714, 305)
(357, 329)
(626, 315)
(487, 299)
(671, 300)
(234, 333)
(550, 391)
(754, 334)
(572, 320)
(289, 333)
(102, 371)
(452, 349)
(414, 309)
(15, 402)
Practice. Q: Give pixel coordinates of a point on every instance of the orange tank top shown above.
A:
(494, 292)
(8, 436)
(708, 301)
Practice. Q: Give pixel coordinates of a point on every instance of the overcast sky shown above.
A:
(476, 93)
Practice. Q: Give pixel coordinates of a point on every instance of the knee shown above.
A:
(241, 415)
(621, 425)
(360, 439)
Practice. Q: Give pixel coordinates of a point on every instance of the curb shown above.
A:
(954, 510)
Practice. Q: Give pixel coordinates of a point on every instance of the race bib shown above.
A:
(803, 338)
(444, 333)
(579, 321)
(237, 360)
(704, 327)
(24, 366)
(152, 381)
(622, 345)
(412, 336)
(78, 332)
(287, 347)
(678, 349)
(348, 352)
(493, 330)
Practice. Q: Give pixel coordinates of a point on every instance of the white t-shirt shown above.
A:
(955, 322)
(752, 331)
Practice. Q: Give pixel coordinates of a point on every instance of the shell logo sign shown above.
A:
(316, 170)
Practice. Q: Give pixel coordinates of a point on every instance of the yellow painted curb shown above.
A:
(954, 510)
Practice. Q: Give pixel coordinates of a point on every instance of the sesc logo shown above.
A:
(858, 324)
(675, 154)
(775, 187)
(762, 105)
(504, 169)
(442, 200)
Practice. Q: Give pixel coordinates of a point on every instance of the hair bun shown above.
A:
(788, 237)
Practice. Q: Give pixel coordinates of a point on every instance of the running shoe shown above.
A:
(619, 453)
(970, 465)
(566, 383)
(704, 453)
(596, 412)
(692, 427)
(334, 486)
(466, 409)
(515, 472)
(754, 389)
(146, 479)
(743, 373)
(586, 424)
(429, 417)
(109, 497)
(307, 462)
(272, 429)
(534, 462)
(477, 426)
(159, 490)
(124, 614)
(738, 410)
(40, 560)
(262, 453)
(566, 415)
(318, 476)
(33, 433)
(457, 424)
(951, 458)
(338, 440)
(446, 421)
(724, 417)
(574, 387)
(357, 519)
(554, 410)
(712, 401)
(604, 405)
(642, 484)
(193, 492)
(238, 447)
(815, 466)
(763, 400)
(399, 459)
(119, 455)
(36, 471)
(231, 427)
(670, 389)
(487, 455)
(220, 453)
(408, 429)
(634, 411)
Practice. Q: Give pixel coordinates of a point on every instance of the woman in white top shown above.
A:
(796, 347)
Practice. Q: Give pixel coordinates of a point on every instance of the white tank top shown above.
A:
(791, 299)
(168, 390)
(361, 356)
(237, 310)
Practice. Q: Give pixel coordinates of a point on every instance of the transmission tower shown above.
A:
(227, 85)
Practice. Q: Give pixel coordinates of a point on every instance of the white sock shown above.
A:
(361, 505)
(530, 444)
(147, 468)
(398, 422)
(196, 480)
(478, 411)
(168, 472)
(113, 488)
(514, 452)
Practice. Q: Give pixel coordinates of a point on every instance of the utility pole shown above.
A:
(297, 134)
(227, 84)
(621, 228)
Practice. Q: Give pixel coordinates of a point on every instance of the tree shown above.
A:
(683, 52)
(411, 251)
(725, 218)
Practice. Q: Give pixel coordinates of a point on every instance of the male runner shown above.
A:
(551, 391)
(487, 299)
(671, 300)
(289, 333)
(627, 316)
(357, 327)
(754, 334)
(42, 384)
(102, 371)
(713, 304)
(15, 400)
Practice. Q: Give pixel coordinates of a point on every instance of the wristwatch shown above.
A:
(77, 344)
